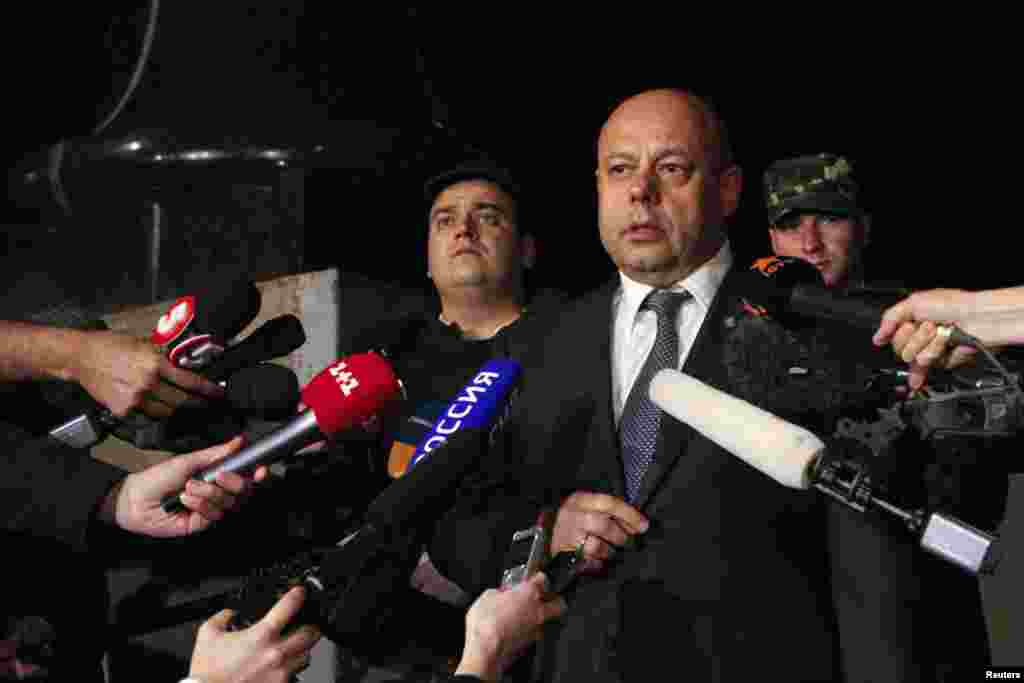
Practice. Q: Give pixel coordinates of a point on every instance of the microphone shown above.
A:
(196, 328)
(266, 391)
(447, 451)
(275, 338)
(347, 584)
(351, 392)
(786, 286)
(409, 433)
(798, 459)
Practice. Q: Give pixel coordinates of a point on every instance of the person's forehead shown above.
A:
(472, 192)
(801, 217)
(657, 117)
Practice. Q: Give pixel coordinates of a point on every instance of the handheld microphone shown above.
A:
(265, 392)
(345, 584)
(409, 433)
(351, 392)
(796, 458)
(196, 328)
(275, 338)
(785, 286)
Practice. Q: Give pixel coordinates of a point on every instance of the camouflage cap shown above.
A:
(817, 182)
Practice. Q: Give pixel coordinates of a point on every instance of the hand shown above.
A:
(597, 520)
(134, 503)
(124, 373)
(258, 654)
(502, 623)
(911, 327)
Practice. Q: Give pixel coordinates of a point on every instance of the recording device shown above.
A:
(351, 392)
(348, 586)
(786, 286)
(797, 458)
(197, 328)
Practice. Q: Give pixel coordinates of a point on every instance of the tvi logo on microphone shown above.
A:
(481, 405)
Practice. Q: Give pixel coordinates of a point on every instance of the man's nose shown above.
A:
(644, 187)
(467, 227)
(810, 236)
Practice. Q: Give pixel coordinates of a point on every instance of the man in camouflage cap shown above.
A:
(814, 214)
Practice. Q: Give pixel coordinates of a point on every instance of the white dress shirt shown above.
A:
(633, 330)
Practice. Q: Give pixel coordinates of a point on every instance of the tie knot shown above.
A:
(665, 302)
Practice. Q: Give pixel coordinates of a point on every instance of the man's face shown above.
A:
(830, 243)
(661, 200)
(473, 240)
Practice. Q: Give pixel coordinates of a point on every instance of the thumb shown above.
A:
(208, 456)
(220, 620)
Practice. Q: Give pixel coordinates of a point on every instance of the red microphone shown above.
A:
(196, 329)
(351, 392)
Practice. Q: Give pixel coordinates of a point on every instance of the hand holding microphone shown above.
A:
(796, 458)
(995, 317)
(351, 392)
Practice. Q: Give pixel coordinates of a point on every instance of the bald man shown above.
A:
(697, 567)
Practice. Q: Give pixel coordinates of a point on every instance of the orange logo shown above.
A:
(767, 265)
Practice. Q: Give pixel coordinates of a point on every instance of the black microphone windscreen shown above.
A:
(224, 310)
(275, 338)
(266, 391)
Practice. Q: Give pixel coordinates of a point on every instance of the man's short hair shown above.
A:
(480, 169)
(822, 183)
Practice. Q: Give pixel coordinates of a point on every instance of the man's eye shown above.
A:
(442, 222)
(489, 218)
(618, 169)
(791, 222)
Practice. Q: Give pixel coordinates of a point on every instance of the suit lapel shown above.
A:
(704, 362)
(602, 466)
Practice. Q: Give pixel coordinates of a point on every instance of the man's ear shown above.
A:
(528, 248)
(730, 187)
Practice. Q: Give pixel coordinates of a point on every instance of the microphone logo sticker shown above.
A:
(477, 406)
(172, 323)
(345, 379)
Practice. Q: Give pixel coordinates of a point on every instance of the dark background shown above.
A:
(923, 103)
(920, 104)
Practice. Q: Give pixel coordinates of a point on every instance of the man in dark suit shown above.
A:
(698, 567)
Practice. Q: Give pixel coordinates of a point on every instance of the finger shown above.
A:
(918, 341)
(202, 507)
(935, 349)
(902, 336)
(960, 355)
(220, 620)
(209, 456)
(918, 376)
(233, 482)
(284, 610)
(189, 381)
(153, 408)
(298, 663)
(214, 495)
(300, 641)
(892, 319)
(596, 549)
(606, 528)
(260, 474)
(631, 518)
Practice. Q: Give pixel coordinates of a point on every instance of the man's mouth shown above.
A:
(643, 231)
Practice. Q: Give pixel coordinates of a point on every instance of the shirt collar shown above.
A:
(702, 283)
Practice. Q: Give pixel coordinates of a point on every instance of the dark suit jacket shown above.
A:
(738, 578)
